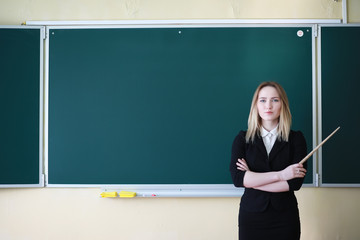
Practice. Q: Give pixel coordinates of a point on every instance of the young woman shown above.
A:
(265, 161)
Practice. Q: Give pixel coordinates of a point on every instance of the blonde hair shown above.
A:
(254, 120)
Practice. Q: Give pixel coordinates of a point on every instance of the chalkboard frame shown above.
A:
(321, 133)
(41, 178)
(170, 186)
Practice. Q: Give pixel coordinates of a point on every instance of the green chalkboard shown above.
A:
(163, 105)
(20, 81)
(340, 71)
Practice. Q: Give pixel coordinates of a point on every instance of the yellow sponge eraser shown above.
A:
(108, 194)
(126, 194)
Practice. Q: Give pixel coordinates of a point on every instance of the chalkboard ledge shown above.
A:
(184, 190)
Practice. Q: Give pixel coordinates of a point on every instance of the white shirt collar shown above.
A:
(265, 132)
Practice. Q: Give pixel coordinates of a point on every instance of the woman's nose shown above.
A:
(268, 105)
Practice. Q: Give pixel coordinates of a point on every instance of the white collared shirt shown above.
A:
(269, 138)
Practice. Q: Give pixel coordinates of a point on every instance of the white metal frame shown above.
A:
(344, 12)
(315, 108)
(41, 109)
(170, 190)
(173, 23)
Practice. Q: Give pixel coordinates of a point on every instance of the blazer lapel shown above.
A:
(260, 145)
(278, 145)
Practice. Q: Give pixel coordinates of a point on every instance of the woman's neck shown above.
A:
(269, 125)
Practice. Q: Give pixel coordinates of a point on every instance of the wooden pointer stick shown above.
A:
(315, 149)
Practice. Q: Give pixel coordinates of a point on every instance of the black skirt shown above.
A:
(269, 224)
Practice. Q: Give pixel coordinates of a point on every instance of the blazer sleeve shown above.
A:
(298, 146)
(238, 151)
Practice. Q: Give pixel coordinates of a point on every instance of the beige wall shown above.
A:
(58, 213)
(353, 11)
(18, 11)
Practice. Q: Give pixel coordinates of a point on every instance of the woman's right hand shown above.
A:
(242, 165)
(296, 170)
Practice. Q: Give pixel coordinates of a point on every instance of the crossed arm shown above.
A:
(275, 181)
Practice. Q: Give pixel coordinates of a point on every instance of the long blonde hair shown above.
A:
(254, 120)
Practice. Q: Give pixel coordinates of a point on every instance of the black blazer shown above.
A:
(281, 156)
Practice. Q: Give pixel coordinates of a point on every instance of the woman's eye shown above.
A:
(262, 100)
(275, 100)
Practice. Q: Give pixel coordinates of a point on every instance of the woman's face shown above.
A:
(269, 105)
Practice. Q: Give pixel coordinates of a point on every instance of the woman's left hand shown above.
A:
(242, 165)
